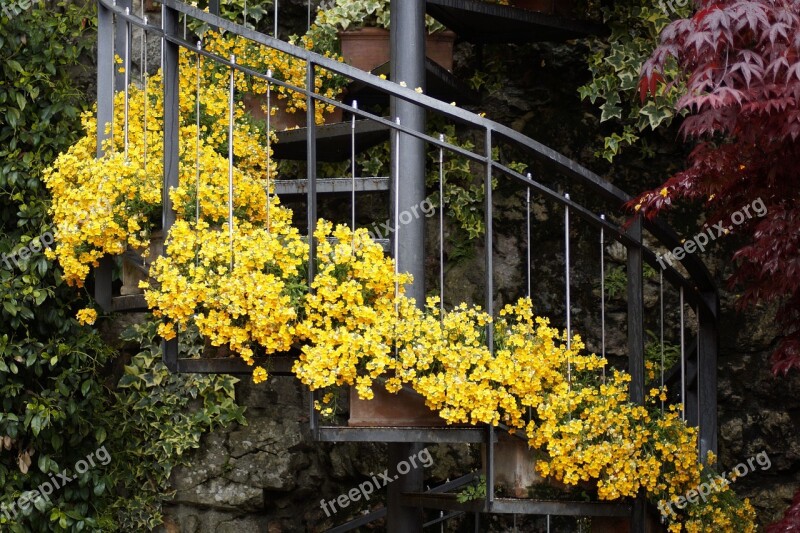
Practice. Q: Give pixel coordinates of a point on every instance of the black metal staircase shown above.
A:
(694, 378)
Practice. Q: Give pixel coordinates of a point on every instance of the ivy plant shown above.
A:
(59, 403)
(615, 62)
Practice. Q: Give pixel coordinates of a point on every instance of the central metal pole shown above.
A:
(408, 36)
(408, 65)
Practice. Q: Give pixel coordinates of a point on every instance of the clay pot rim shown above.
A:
(375, 30)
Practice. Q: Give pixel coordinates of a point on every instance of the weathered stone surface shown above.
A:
(222, 494)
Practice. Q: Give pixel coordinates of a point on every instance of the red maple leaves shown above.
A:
(740, 63)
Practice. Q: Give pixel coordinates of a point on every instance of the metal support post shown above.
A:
(636, 346)
(170, 50)
(105, 115)
(408, 65)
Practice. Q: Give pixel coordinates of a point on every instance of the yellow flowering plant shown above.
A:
(284, 67)
(351, 314)
(101, 206)
(583, 425)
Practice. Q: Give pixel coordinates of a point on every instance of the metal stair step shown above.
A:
(482, 22)
(332, 185)
(333, 140)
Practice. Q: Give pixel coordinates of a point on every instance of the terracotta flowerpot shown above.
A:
(404, 409)
(514, 465)
(282, 119)
(135, 268)
(367, 48)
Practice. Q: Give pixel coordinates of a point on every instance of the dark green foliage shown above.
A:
(59, 403)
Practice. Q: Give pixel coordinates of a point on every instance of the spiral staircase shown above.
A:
(592, 210)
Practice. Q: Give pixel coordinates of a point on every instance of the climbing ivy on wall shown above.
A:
(615, 62)
(77, 449)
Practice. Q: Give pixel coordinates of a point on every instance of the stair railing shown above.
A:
(639, 237)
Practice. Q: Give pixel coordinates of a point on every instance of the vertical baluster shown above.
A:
(311, 169)
(528, 274)
(441, 228)
(143, 67)
(603, 293)
(144, 91)
(353, 175)
(143, 51)
(230, 152)
(396, 238)
(269, 142)
(126, 65)
(244, 14)
(308, 16)
(275, 33)
(489, 214)
(396, 217)
(197, 140)
(661, 324)
(683, 361)
(568, 296)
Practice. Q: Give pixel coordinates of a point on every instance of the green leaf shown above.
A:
(36, 424)
(10, 308)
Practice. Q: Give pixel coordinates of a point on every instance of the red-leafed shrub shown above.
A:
(740, 62)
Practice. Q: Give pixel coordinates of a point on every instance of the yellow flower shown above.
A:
(87, 316)
(259, 375)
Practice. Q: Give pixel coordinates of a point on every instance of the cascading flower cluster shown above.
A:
(583, 422)
(101, 206)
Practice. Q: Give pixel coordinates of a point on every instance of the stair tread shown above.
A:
(332, 185)
(481, 22)
(333, 140)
